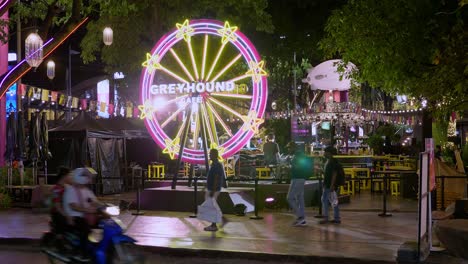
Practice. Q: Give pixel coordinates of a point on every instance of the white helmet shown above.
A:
(82, 176)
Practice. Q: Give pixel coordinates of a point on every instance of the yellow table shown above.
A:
(156, 171)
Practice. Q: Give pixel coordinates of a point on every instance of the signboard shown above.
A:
(203, 79)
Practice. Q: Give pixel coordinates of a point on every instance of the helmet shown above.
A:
(82, 176)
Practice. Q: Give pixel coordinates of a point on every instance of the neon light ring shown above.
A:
(181, 77)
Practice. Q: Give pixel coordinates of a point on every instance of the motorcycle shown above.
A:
(107, 244)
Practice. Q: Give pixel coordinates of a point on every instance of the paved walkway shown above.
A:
(363, 236)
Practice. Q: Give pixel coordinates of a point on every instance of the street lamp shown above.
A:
(69, 94)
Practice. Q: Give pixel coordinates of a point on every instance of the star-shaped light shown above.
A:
(256, 70)
(184, 31)
(146, 110)
(172, 147)
(152, 62)
(221, 150)
(227, 33)
(252, 122)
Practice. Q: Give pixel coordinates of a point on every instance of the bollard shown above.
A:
(256, 216)
(195, 198)
(138, 212)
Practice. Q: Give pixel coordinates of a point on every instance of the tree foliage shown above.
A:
(137, 26)
(415, 47)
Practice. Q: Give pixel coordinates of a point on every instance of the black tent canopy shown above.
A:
(100, 144)
(85, 142)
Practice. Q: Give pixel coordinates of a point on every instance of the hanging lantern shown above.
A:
(107, 36)
(51, 70)
(33, 50)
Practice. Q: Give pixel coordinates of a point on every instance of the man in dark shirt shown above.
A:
(329, 185)
(214, 182)
(270, 151)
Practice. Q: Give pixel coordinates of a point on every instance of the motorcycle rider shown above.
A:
(59, 218)
(79, 202)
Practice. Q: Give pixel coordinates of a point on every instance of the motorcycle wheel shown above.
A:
(47, 240)
(126, 253)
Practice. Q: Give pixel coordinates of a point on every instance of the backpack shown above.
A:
(340, 175)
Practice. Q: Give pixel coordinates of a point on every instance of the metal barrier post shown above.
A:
(142, 183)
(442, 195)
(195, 198)
(385, 186)
(256, 216)
(320, 215)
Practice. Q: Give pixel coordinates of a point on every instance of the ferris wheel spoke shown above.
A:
(175, 76)
(164, 124)
(192, 57)
(181, 128)
(218, 117)
(216, 60)
(207, 123)
(205, 47)
(230, 95)
(241, 77)
(197, 129)
(221, 104)
(227, 67)
(182, 65)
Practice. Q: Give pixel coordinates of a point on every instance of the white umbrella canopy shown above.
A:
(325, 76)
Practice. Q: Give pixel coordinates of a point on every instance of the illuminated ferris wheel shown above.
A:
(203, 81)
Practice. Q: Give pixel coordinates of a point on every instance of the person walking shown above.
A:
(331, 170)
(301, 169)
(214, 182)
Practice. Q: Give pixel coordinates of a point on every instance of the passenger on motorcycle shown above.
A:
(60, 220)
(80, 203)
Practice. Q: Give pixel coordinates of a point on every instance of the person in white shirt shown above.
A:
(79, 202)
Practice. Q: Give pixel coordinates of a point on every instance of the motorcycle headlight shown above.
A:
(113, 210)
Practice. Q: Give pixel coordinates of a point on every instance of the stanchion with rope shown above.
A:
(320, 199)
(142, 183)
(256, 216)
(195, 198)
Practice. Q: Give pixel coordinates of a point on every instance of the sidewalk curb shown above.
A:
(206, 253)
(34, 244)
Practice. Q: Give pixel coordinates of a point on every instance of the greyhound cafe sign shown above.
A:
(191, 88)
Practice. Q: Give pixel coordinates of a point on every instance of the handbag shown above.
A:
(209, 211)
(333, 198)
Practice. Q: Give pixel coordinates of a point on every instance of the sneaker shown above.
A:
(211, 228)
(335, 221)
(324, 221)
(300, 222)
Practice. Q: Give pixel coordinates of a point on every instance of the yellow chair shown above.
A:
(230, 166)
(263, 172)
(156, 171)
(395, 188)
(362, 175)
(349, 181)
